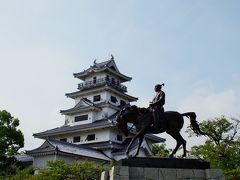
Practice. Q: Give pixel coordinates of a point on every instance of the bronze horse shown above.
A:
(142, 119)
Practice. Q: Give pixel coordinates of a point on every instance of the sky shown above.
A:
(192, 46)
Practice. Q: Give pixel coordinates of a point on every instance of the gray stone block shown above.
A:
(214, 174)
(140, 173)
(123, 171)
(185, 174)
(137, 178)
(199, 174)
(151, 173)
(136, 172)
(166, 174)
(114, 177)
(124, 178)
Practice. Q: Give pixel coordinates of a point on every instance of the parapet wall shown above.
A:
(144, 173)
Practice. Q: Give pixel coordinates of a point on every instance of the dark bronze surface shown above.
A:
(142, 119)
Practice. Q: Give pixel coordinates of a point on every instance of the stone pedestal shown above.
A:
(127, 170)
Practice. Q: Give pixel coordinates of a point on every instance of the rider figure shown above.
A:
(157, 103)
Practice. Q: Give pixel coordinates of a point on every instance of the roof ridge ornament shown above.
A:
(112, 58)
(95, 62)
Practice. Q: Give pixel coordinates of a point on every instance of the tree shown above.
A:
(84, 170)
(222, 148)
(59, 170)
(11, 138)
(160, 150)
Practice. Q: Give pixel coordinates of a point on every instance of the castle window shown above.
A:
(96, 98)
(76, 139)
(122, 103)
(107, 78)
(114, 99)
(91, 137)
(118, 83)
(119, 138)
(113, 81)
(63, 139)
(94, 80)
(81, 118)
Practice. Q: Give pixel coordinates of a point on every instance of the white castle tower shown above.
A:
(89, 131)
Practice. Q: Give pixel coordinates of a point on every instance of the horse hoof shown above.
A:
(183, 156)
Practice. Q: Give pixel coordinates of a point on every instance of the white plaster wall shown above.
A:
(67, 159)
(113, 136)
(98, 75)
(108, 111)
(108, 98)
(90, 97)
(98, 115)
(71, 119)
(100, 136)
(40, 161)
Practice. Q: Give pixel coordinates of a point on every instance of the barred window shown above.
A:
(119, 138)
(63, 139)
(90, 137)
(96, 98)
(114, 99)
(81, 118)
(122, 103)
(76, 139)
(94, 80)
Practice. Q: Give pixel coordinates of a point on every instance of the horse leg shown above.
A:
(133, 139)
(140, 140)
(180, 141)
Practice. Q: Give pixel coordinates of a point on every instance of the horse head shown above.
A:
(122, 120)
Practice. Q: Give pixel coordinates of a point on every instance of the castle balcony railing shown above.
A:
(101, 82)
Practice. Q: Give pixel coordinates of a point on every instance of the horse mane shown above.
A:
(139, 110)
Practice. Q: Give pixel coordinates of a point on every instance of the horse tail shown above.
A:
(194, 124)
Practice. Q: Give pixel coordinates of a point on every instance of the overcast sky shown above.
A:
(192, 46)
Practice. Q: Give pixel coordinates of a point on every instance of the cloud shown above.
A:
(209, 103)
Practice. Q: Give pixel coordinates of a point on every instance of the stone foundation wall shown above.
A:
(140, 173)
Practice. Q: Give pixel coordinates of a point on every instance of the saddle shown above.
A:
(159, 124)
(158, 117)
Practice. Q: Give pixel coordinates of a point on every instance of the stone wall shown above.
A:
(141, 173)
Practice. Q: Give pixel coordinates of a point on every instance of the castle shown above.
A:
(89, 131)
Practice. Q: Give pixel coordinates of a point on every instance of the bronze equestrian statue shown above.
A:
(145, 122)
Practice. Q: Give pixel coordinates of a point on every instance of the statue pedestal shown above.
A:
(161, 169)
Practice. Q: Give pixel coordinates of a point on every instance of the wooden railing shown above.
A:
(101, 82)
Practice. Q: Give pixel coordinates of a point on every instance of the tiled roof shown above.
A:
(125, 144)
(109, 66)
(104, 145)
(51, 145)
(108, 63)
(83, 105)
(154, 138)
(24, 157)
(100, 88)
(69, 129)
